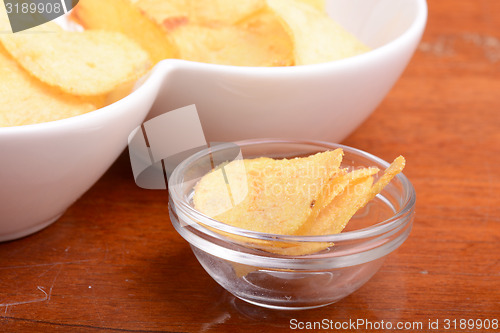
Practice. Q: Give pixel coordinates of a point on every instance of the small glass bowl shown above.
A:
(237, 259)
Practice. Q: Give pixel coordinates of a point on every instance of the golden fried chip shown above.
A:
(280, 195)
(201, 33)
(331, 220)
(334, 217)
(25, 100)
(334, 188)
(236, 45)
(317, 38)
(79, 63)
(123, 16)
(396, 167)
(224, 187)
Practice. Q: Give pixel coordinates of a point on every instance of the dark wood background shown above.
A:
(114, 262)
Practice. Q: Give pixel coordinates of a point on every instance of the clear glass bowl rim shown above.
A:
(379, 228)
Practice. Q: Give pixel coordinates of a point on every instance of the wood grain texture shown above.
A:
(113, 262)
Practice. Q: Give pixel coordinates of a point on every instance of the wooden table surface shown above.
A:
(114, 262)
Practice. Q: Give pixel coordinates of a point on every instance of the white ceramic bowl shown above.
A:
(44, 168)
(323, 102)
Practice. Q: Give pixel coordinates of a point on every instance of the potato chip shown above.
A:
(234, 45)
(281, 193)
(202, 32)
(317, 38)
(334, 217)
(25, 100)
(268, 196)
(331, 220)
(335, 187)
(345, 195)
(396, 167)
(123, 16)
(79, 63)
(224, 187)
(209, 12)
